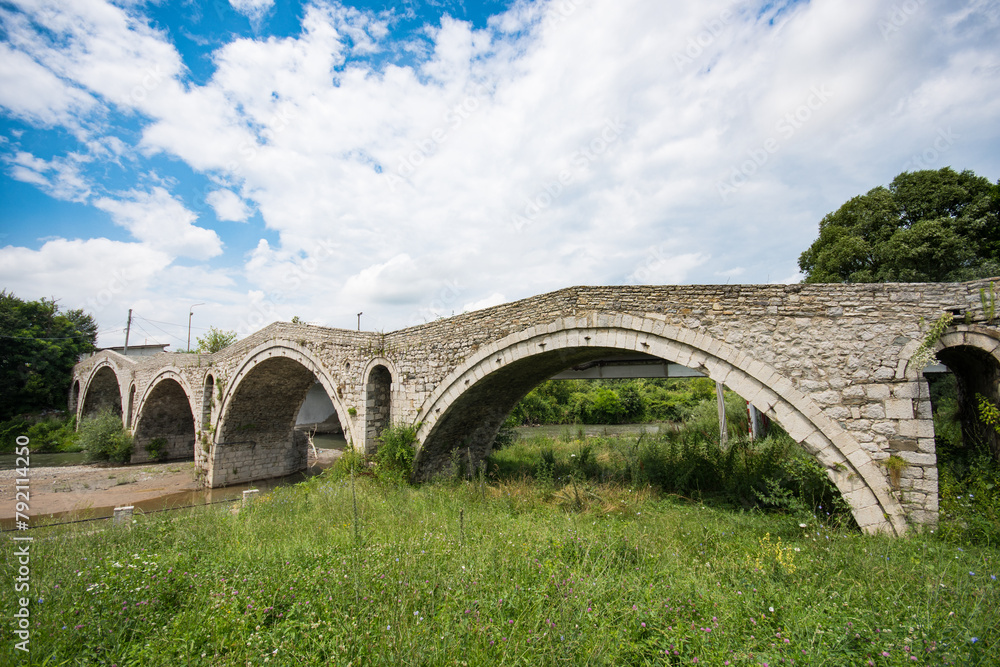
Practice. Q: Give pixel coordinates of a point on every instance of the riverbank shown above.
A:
(61, 489)
(96, 488)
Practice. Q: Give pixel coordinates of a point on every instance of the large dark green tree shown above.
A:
(38, 348)
(927, 226)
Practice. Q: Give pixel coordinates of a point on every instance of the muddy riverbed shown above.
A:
(65, 493)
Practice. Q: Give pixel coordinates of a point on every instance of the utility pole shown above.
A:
(190, 315)
(128, 328)
(359, 321)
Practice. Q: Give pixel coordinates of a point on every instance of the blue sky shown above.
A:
(268, 159)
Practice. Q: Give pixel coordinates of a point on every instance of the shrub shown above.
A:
(395, 453)
(157, 449)
(105, 439)
(47, 433)
(351, 459)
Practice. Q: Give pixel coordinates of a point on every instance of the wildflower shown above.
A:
(975, 639)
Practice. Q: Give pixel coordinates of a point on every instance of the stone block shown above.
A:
(877, 392)
(827, 398)
(916, 428)
(918, 458)
(899, 408)
(873, 411)
(869, 518)
(886, 428)
(838, 413)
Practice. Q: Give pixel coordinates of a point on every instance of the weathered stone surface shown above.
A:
(829, 362)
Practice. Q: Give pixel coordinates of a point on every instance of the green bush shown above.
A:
(157, 448)
(105, 439)
(47, 433)
(395, 453)
(351, 460)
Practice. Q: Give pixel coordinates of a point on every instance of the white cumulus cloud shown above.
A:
(228, 205)
(162, 222)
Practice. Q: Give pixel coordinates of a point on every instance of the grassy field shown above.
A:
(508, 571)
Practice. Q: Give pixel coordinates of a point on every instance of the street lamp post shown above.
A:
(190, 315)
(359, 321)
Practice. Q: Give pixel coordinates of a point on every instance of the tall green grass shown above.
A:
(687, 461)
(506, 572)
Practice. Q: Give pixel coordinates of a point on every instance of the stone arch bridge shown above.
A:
(830, 363)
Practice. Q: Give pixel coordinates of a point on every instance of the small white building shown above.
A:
(137, 350)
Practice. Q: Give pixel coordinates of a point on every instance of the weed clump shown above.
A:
(395, 453)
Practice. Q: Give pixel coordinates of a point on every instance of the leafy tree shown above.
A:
(38, 348)
(927, 226)
(215, 340)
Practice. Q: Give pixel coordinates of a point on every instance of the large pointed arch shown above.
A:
(103, 390)
(255, 436)
(165, 410)
(466, 410)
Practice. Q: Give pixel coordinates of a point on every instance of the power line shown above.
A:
(149, 335)
(182, 326)
(158, 328)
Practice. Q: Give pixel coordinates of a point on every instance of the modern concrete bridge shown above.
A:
(830, 363)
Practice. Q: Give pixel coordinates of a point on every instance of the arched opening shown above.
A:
(378, 405)
(976, 373)
(207, 400)
(256, 436)
(467, 409)
(131, 407)
(103, 393)
(474, 418)
(318, 413)
(165, 428)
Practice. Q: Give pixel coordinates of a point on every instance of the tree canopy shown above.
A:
(38, 348)
(927, 226)
(215, 340)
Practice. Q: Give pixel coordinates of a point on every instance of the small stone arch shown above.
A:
(165, 412)
(103, 391)
(378, 400)
(466, 410)
(255, 436)
(972, 353)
